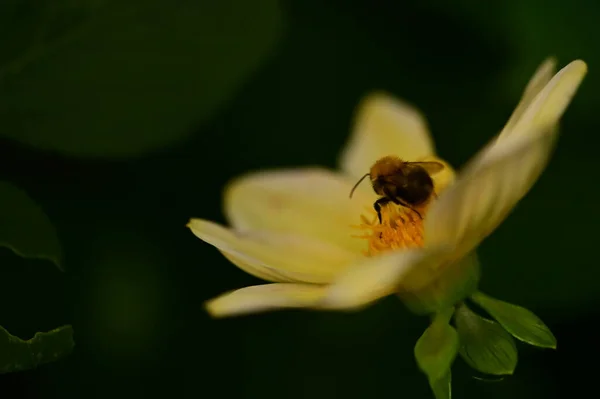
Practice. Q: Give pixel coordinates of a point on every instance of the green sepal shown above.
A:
(437, 348)
(520, 322)
(484, 344)
(455, 283)
(442, 387)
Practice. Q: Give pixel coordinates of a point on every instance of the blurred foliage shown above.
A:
(24, 228)
(202, 92)
(121, 78)
(126, 294)
(27, 231)
(44, 347)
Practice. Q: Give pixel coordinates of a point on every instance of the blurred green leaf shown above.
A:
(120, 78)
(484, 344)
(436, 348)
(24, 228)
(442, 387)
(518, 321)
(17, 354)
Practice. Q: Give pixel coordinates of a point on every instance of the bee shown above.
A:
(408, 184)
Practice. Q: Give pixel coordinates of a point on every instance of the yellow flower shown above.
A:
(298, 229)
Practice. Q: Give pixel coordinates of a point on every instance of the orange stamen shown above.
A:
(400, 228)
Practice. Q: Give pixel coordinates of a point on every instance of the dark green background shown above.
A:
(136, 278)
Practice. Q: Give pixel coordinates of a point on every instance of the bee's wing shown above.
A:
(430, 167)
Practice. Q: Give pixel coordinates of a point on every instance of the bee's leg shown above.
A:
(414, 210)
(417, 212)
(397, 201)
(378, 204)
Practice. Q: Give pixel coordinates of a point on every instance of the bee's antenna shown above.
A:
(357, 183)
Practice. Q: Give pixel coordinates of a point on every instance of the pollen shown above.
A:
(400, 228)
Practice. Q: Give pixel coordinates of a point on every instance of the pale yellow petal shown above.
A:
(545, 110)
(486, 191)
(274, 256)
(383, 126)
(309, 202)
(268, 297)
(373, 278)
(539, 80)
(504, 171)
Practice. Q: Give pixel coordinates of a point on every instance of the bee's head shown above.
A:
(378, 185)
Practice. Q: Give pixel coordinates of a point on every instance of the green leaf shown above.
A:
(484, 344)
(24, 228)
(121, 78)
(436, 349)
(520, 322)
(17, 354)
(442, 387)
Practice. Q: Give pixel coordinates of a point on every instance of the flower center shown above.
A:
(400, 228)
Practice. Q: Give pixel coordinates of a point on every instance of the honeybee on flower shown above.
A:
(293, 226)
(413, 233)
(403, 183)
